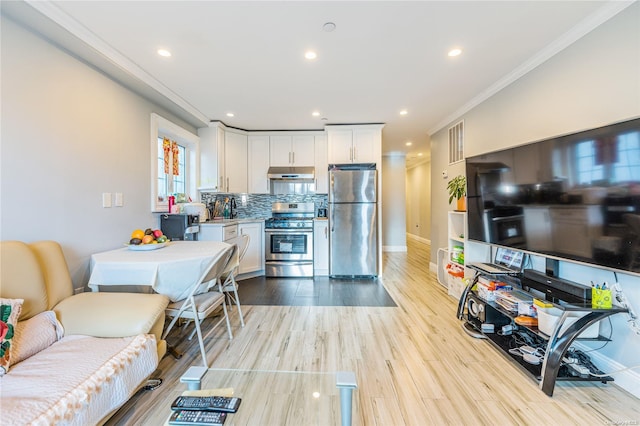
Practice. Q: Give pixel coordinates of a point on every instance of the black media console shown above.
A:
(565, 295)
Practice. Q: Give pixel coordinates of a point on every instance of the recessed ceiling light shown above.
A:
(230, 114)
(409, 143)
(328, 27)
(419, 154)
(310, 54)
(455, 52)
(164, 53)
(404, 112)
(315, 114)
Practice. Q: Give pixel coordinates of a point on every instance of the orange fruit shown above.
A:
(138, 233)
(147, 239)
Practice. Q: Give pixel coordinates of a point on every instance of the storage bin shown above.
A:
(549, 317)
(456, 286)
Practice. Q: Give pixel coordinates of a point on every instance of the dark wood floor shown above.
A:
(318, 291)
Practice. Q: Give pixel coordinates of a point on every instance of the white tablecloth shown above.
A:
(171, 270)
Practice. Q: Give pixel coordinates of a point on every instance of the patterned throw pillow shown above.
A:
(34, 335)
(9, 313)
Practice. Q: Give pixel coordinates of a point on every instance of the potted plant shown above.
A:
(457, 188)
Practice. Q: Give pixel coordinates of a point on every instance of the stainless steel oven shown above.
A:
(289, 240)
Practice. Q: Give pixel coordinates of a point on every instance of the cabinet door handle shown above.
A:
(227, 184)
(326, 231)
(293, 158)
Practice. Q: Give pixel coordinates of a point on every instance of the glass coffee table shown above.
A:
(272, 397)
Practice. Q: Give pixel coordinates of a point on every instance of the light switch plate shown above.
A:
(106, 199)
(119, 202)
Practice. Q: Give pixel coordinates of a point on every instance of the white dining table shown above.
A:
(171, 270)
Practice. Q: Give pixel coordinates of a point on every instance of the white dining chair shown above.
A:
(228, 285)
(199, 305)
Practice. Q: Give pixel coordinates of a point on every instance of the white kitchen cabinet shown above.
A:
(218, 231)
(253, 260)
(321, 247)
(354, 144)
(223, 159)
(321, 164)
(212, 177)
(339, 146)
(258, 164)
(291, 150)
(235, 162)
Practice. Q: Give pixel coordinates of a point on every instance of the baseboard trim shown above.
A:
(418, 238)
(394, 248)
(433, 267)
(628, 380)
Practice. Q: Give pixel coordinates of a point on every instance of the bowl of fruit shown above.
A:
(149, 239)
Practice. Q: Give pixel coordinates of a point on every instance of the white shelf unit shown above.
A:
(456, 234)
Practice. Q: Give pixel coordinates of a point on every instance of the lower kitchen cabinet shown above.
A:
(253, 260)
(218, 231)
(321, 247)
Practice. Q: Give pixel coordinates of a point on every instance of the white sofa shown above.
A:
(71, 359)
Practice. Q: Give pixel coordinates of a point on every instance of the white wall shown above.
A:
(69, 134)
(594, 82)
(393, 208)
(418, 214)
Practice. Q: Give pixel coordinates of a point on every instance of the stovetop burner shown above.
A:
(291, 215)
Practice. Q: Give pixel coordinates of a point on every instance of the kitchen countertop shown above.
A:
(226, 222)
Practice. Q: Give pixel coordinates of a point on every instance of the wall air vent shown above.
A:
(456, 142)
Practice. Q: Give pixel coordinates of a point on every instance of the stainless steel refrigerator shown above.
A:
(353, 220)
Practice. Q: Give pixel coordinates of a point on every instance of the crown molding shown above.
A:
(114, 58)
(593, 21)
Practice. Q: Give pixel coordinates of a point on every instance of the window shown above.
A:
(187, 152)
(166, 185)
(456, 143)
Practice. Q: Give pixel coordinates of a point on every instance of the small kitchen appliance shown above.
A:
(179, 227)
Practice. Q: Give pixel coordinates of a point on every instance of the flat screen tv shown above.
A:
(573, 197)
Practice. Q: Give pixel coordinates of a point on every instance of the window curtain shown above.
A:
(171, 157)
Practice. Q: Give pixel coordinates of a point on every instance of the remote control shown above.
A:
(197, 418)
(206, 403)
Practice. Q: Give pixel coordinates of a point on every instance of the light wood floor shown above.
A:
(414, 364)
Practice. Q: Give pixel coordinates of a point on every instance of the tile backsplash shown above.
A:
(259, 205)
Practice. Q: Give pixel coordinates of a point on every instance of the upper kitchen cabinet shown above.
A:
(223, 159)
(291, 150)
(258, 164)
(235, 162)
(212, 176)
(354, 144)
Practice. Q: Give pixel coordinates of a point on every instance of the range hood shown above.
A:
(299, 174)
(291, 180)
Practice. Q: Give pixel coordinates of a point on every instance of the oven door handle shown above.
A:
(288, 230)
